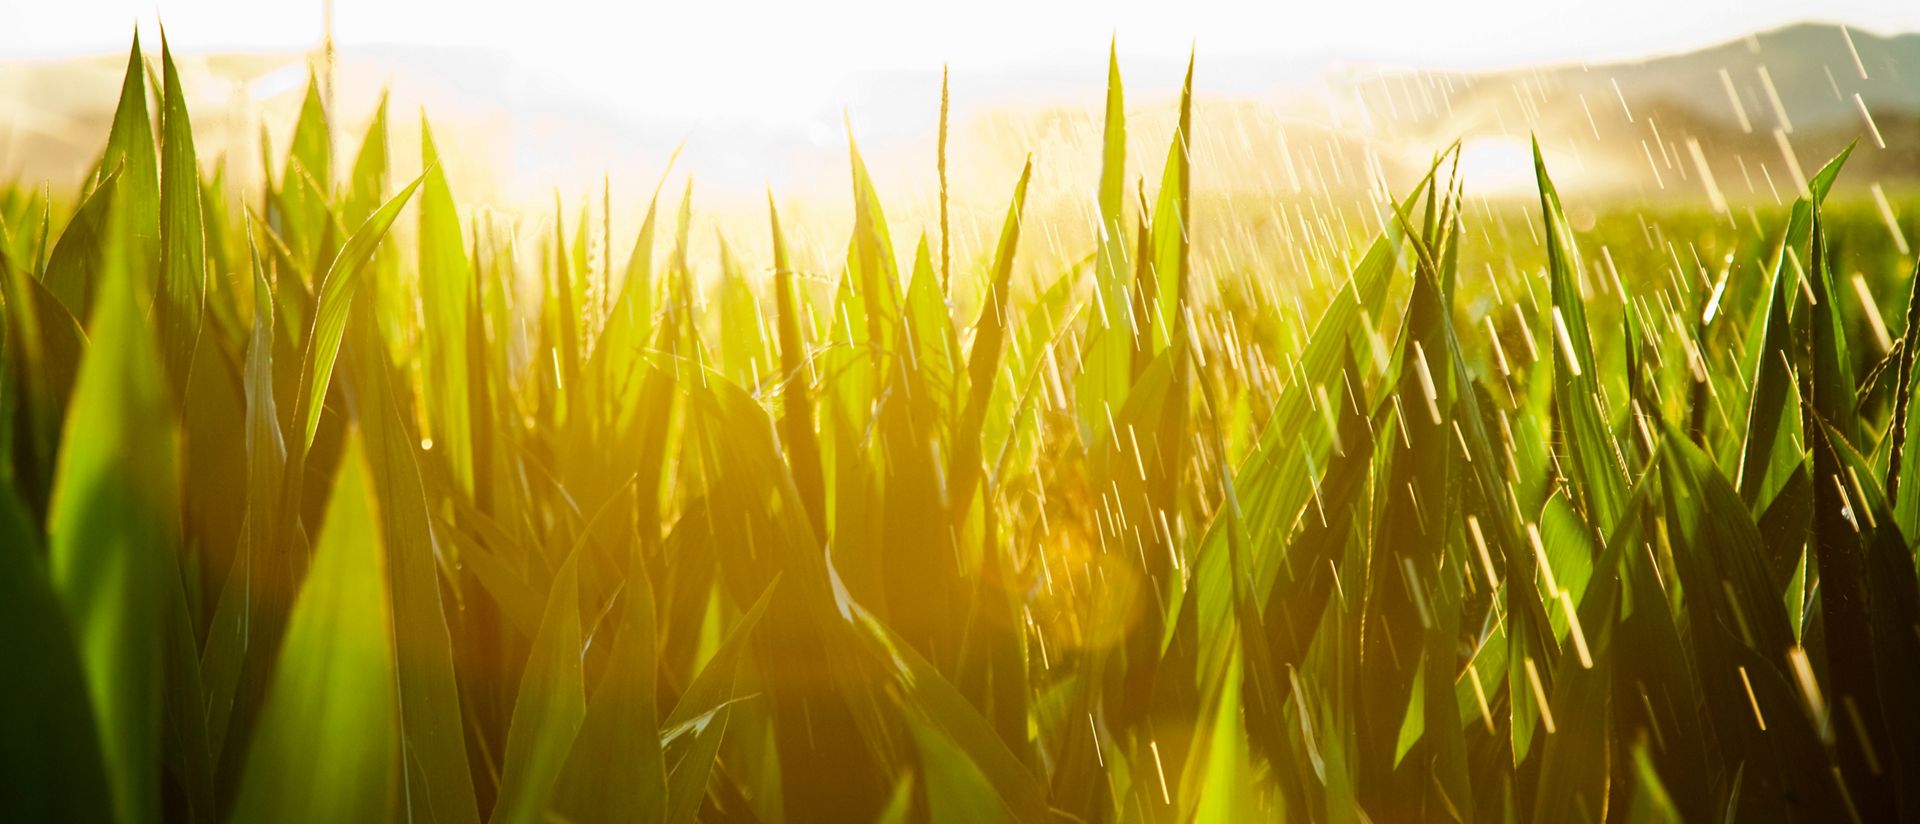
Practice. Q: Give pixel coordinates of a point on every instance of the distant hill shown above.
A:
(1631, 121)
(1811, 67)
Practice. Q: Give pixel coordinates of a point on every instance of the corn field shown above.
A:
(300, 522)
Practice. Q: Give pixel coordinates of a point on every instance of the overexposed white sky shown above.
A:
(683, 57)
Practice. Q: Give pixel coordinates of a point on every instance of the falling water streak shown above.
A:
(1162, 770)
(1893, 223)
(1855, 53)
(1793, 161)
(1540, 555)
(1810, 690)
(1733, 96)
(1773, 97)
(1622, 97)
(1868, 116)
(1539, 695)
(1573, 628)
(1752, 700)
(1871, 308)
(1566, 341)
(1714, 197)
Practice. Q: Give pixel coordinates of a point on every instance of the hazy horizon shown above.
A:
(533, 123)
(702, 61)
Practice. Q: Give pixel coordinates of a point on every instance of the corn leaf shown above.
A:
(112, 530)
(551, 707)
(182, 294)
(327, 746)
(335, 297)
(1107, 368)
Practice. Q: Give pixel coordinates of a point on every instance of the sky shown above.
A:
(703, 57)
(758, 90)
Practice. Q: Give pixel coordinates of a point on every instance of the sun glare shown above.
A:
(1498, 165)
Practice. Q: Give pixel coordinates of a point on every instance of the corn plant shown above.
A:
(303, 525)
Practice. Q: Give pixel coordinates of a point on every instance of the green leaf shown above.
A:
(870, 261)
(1171, 237)
(1278, 639)
(1575, 762)
(1107, 369)
(691, 734)
(1276, 481)
(45, 345)
(1890, 590)
(1903, 462)
(370, 168)
(1650, 803)
(308, 176)
(1737, 622)
(112, 527)
(49, 748)
(445, 281)
(935, 353)
(262, 575)
(1831, 366)
(330, 315)
(327, 744)
(1832, 422)
(73, 267)
(551, 706)
(1770, 454)
(630, 319)
(614, 773)
(131, 148)
(182, 295)
(1584, 423)
(926, 692)
(796, 424)
(1842, 521)
(439, 783)
(1172, 227)
(1415, 599)
(983, 360)
(956, 790)
(745, 343)
(564, 305)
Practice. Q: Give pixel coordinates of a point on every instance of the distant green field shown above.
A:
(1431, 509)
